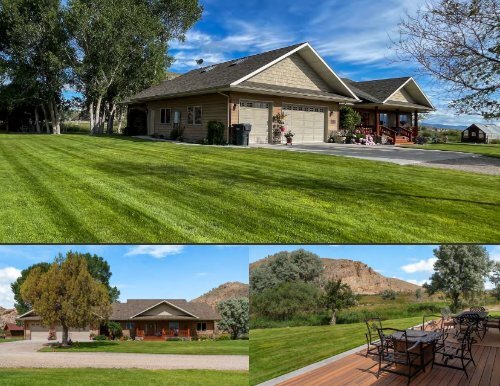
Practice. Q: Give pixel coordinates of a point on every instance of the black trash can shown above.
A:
(241, 132)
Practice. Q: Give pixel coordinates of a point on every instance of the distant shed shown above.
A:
(481, 133)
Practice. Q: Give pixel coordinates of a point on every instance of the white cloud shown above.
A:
(156, 251)
(7, 276)
(420, 266)
(416, 282)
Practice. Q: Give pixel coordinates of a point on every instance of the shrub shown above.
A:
(100, 337)
(388, 294)
(129, 131)
(174, 134)
(215, 133)
(349, 118)
(223, 337)
(115, 329)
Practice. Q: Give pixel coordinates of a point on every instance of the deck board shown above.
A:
(356, 369)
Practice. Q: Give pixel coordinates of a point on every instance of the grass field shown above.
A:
(223, 347)
(484, 149)
(132, 377)
(278, 351)
(82, 189)
(9, 340)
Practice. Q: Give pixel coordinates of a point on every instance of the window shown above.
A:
(201, 326)
(194, 115)
(165, 116)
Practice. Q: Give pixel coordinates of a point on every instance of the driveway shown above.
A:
(400, 155)
(24, 353)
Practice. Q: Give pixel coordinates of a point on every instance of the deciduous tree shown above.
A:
(459, 272)
(234, 316)
(67, 294)
(338, 296)
(457, 42)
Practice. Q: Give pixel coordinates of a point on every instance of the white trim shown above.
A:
(419, 89)
(266, 66)
(166, 302)
(26, 313)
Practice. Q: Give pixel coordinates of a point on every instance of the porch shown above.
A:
(162, 330)
(391, 126)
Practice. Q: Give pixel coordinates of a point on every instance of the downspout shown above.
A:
(228, 113)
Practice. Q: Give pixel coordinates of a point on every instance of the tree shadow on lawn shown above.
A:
(83, 345)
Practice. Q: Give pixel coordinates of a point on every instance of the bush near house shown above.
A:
(215, 134)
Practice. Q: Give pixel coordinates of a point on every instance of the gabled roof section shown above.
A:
(487, 128)
(164, 302)
(26, 314)
(383, 90)
(231, 74)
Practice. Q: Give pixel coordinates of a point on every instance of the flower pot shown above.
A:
(289, 140)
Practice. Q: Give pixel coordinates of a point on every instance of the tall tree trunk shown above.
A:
(54, 112)
(120, 120)
(111, 118)
(91, 111)
(65, 334)
(46, 119)
(37, 121)
(97, 116)
(333, 320)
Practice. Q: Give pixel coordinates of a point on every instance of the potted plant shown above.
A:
(278, 126)
(289, 137)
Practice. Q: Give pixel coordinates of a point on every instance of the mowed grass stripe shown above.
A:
(141, 191)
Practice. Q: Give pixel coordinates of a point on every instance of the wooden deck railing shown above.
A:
(166, 333)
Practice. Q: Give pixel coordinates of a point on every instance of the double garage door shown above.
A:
(41, 333)
(306, 122)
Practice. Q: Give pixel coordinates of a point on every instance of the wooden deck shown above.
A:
(356, 369)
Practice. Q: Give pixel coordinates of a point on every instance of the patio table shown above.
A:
(427, 341)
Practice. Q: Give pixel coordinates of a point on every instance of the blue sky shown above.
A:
(141, 271)
(352, 36)
(412, 263)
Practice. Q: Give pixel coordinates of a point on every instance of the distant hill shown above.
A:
(441, 126)
(225, 291)
(7, 316)
(359, 276)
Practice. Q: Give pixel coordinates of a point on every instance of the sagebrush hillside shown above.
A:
(7, 315)
(225, 291)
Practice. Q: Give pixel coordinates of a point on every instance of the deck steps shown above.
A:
(401, 139)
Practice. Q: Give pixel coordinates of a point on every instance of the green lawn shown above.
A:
(92, 376)
(209, 347)
(83, 189)
(277, 351)
(484, 149)
(9, 340)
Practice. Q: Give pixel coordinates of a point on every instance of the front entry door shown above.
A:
(173, 328)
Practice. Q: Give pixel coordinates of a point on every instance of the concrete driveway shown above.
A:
(400, 155)
(24, 354)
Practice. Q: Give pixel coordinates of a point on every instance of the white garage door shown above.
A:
(38, 332)
(306, 122)
(257, 114)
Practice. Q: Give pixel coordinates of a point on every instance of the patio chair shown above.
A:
(372, 338)
(492, 322)
(430, 323)
(446, 315)
(453, 350)
(399, 356)
(477, 309)
(462, 323)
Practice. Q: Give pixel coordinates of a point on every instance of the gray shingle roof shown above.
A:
(488, 128)
(124, 311)
(377, 90)
(222, 75)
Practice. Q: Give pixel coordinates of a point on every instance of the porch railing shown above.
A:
(165, 333)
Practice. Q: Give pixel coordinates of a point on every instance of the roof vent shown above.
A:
(206, 69)
(238, 61)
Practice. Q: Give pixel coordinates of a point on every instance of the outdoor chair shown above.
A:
(492, 322)
(461, 350)
(398, 356)
(462, 323)
(372, 338)
(477, 309)
(429, 323)
(446, 315)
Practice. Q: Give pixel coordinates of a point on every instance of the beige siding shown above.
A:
(292, 72)
(214, 107)
(332, 114)
(402, 96)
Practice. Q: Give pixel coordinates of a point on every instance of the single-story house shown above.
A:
(481, 133)
(13, 330)
(140, 319)
(293, 80)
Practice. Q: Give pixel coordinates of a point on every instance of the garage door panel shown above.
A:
(306, 122)
(257, 114)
